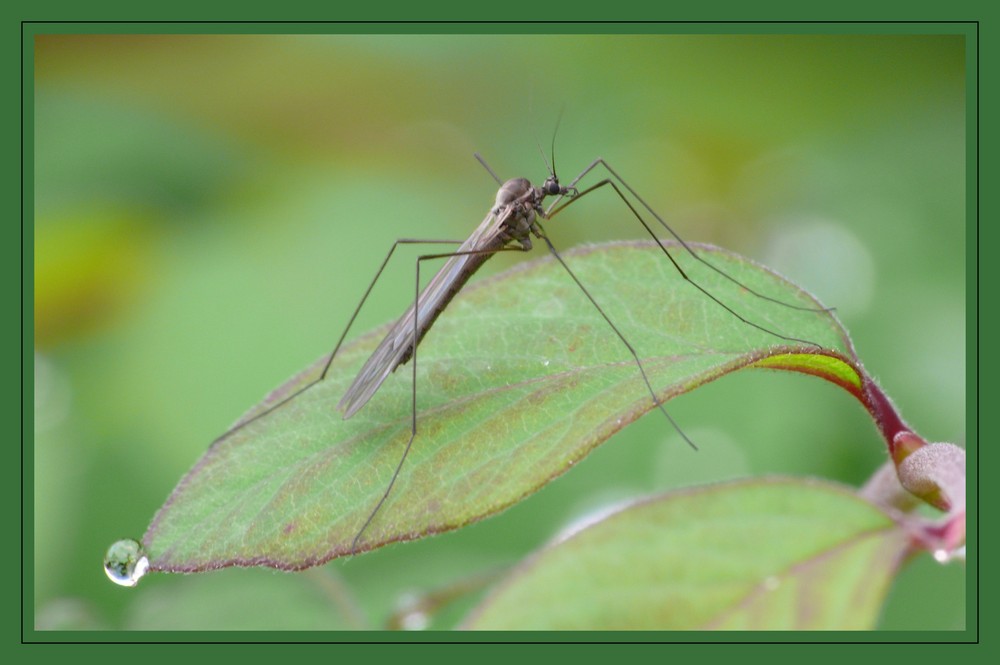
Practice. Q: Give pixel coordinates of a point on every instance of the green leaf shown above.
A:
(770, 554)
(517, 381)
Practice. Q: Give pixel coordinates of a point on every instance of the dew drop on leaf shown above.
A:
(125, 563)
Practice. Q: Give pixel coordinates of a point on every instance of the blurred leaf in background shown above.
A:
(208, 210)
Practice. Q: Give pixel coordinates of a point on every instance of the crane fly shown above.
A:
(512, 220)
(509, 226)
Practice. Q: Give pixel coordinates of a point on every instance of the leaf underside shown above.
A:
(518, 380)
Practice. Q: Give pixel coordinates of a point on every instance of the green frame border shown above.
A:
(969, 29)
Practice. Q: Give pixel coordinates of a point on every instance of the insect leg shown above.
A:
(625, 341)
(326, 367)
(600, 162)
(608, 181)
(413, 412)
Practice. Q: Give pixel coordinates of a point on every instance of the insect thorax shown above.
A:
(512, 190)
(517, 200)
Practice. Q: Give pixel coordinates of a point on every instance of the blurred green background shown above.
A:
(209, 209)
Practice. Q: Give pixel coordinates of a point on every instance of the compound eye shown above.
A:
(552, 187)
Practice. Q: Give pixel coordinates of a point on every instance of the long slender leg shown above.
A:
(552, 210)
(645, 225)
(628, 345)
(413, 359)
(343, 335)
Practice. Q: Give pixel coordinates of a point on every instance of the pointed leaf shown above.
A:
(518, 380)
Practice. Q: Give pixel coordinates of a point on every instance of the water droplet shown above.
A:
(412, 613)
(415, 621)
(125, 563)
(945, 556)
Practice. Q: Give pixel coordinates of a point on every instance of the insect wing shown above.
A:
(400, 338)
